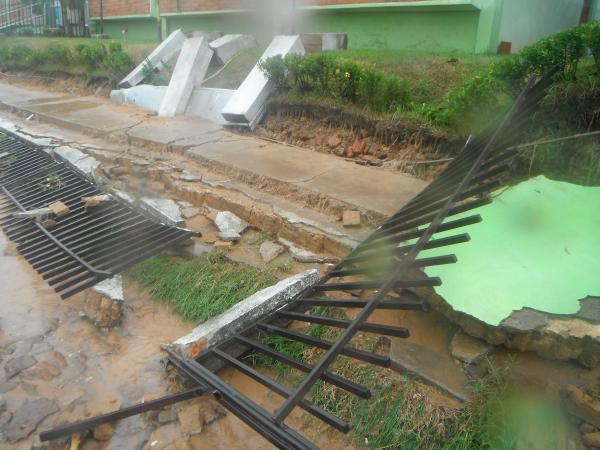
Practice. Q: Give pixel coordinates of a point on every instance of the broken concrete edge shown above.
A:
(218, 329)
(78, 160)
(161, 54)
(525, 330)
(103, 303)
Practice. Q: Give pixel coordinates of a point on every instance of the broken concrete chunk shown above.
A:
(59, 209)
(228, 46)
(103, 303)
(190, 178)
(188, 213)
(270, 250)
(190, 70)
(468, 349)
(90, 202)
(351, 218)
(239, 316)
(48, 223)
(161, 54)
(304, 256)
(247, 105)
(165, 210)
(230, 226)
(38, 213)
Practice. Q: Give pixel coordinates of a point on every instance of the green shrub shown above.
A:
(330, 76)
(16, 56)
(118, 64)
(92, 55)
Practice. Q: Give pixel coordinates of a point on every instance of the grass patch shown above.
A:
(201, 288)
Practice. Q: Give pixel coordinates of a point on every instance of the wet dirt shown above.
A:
(357, 144)
(84, 371)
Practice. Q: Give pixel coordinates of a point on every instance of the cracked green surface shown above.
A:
(538, 247)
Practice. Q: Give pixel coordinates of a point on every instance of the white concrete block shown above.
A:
(144, 95)
(208, 103)
(208, 35)
(334, 41)
(230, 45)
(241, 315)
(111, 288)
(248, 103)
(190, 70)
(161, 54)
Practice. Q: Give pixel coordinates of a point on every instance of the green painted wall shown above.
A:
(138, 30)
(524, 22)
(423, 30)
(431, 30)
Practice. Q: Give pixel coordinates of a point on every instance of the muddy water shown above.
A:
(93, 371)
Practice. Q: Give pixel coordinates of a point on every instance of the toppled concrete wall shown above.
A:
(144, 95)
(190, 70)
(208, 103)
(228, 46)
(161, 54)
(240, 316)
(247, 105)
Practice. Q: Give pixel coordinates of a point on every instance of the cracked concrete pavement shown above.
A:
(376, 192)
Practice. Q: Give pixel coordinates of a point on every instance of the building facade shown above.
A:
(471, 26)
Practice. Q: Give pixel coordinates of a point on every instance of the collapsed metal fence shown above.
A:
(87, 244)
(379, 274)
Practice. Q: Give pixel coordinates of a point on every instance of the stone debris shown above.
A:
(468, 349)
(247, 105)
(230, 45)
(103, 432)
(304, 256)
(351, 218)
(583, 406)
(156, 60)
(230, 226)
(167, 416)
(96, 200)
(188, 213)
(28, 417)
(80, 161)
(189, 72)
(16, 365)
(48, 223)
(36, 214)
(104, 303)
(59, 209)
(190, 178)
(270, 250)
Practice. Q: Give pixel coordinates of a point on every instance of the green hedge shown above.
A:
(108, 59)
(333, 77)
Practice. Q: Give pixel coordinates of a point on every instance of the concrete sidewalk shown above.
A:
(276, 167)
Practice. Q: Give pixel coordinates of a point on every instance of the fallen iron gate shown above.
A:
(386, 266)
(84, 246)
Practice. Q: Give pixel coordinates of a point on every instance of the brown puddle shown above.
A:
(100, 370)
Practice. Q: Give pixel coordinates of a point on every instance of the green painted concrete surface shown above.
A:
(538, 247)
(138, 30)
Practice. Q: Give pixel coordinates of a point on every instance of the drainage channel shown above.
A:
(82, 244)
(381, 273)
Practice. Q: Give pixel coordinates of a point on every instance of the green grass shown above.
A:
(201, 288)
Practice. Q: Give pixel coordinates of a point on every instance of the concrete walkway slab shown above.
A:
(322, 180)
(371, 189)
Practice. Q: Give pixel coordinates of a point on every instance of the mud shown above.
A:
(403, 147)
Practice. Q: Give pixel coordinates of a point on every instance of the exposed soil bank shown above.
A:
(406, 147)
